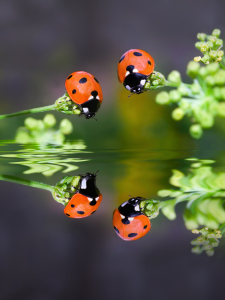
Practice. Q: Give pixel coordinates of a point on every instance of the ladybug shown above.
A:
(129, 222)
(134, 68)
(85, 90)
(86, 200)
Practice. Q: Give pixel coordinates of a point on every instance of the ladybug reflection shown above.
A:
(86, 200)
(129, 222)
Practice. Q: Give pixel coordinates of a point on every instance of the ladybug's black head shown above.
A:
(90, 107)
(87, 186)
(135, 82)
(131, 207)
(135, 200)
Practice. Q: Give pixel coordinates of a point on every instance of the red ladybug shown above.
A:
(134, 68)
(86, 200)
(85, 90)
(129, 222)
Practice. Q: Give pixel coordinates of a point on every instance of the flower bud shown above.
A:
(196, 131)
(219, 59)
(212, 38)
(31, 123)
(203, 72)
(155, 82)
(178, 114)
(164, 193)
(49, 120)
(66, 126)
(210, 80)
(204, 48)
(198, 45)
(193, 68)
(219, 43)
(206, 119)
(201, 36)
(215, 244)
(221, 109)
(212, 68)
(209, 45)
(222, 92)
(174, 77)
(220, 53)
(213, 54)
(195, 231)
(40, 125)
(205, 59)
(220, 77)
(210, 252)
(184, 104)
(162, 98)
(197, 58)
(174, 96)
(216, 32)
(196, 250)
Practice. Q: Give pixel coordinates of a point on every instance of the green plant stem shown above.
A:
(29, 111)
(31, 183)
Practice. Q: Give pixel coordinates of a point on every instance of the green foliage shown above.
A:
(204, 192)
(204, 99)
(42, 131)
(207, 241)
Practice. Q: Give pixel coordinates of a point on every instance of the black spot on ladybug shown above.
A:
(149, 62)
(68, 215)
(132, 234)
(145, 226)
(122, 58)
(137, 54)
(94, 93)
(116, 229)
(93, 202)
(83, 80)
(130, 68)
(74, 91)
(125, 221)
(93, 212)
(80, 212)
(72, 205)
(69, 76)
(96, 80)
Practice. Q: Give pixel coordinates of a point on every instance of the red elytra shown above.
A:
(79, 206)
(80, 86)
(137, 228)
(140, 59)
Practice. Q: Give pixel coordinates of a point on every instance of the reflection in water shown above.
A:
(45, 148)
(204, 192)
(129, 221)
(78, 194)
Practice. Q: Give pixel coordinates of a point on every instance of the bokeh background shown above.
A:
(44, 255)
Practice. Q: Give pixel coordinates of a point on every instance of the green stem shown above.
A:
(29, 111)
(222, 65)
(34, 184)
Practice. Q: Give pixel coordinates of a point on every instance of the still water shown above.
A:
(47, 255)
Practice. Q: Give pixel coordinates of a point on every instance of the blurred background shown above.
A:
(134, 144)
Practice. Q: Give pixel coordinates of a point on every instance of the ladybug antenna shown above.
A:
(94, 119)
(131, 94)
(96, 172)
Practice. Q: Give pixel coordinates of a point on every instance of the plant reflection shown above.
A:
(204, 193)
(45, 148)
(79, 194)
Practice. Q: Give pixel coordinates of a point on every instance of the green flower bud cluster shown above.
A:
(65, 105)
(65, 189)
(202, 100)
(150, 208)
(155, 81)
(207, 241)
(41, 131)
(210, 46)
